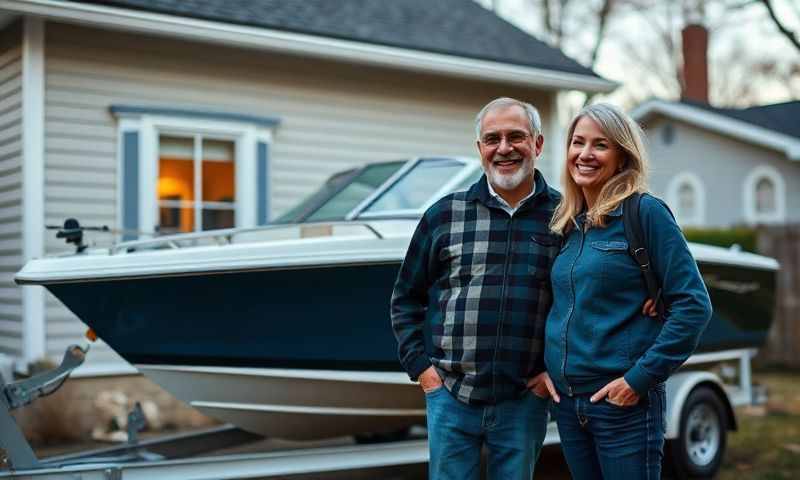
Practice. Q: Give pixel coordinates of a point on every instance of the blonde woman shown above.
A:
(607, 360)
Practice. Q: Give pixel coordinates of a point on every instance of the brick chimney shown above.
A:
(695, 63)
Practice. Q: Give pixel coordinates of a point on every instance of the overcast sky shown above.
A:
(748, 33)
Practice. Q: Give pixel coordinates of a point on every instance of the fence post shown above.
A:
(783, 342)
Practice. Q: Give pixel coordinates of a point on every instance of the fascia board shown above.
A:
(305, 45)
(721, 124)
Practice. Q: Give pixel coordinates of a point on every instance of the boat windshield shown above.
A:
(417, 187)
(341, 193)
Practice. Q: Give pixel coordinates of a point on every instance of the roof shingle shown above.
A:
(455, 27)
(778, 117)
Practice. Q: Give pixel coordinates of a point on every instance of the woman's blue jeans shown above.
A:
(604, 441)
(512, 431)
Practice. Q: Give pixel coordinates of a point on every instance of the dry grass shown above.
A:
(767, 445)
(68, 416)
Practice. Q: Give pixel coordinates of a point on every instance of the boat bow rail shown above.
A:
(230, 235)
(235, 250)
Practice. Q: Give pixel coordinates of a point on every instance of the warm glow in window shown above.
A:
(190, 168)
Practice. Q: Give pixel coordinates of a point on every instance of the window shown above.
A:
(764, 196)
(687, 201)
(668, 134)
(361, 187)
(396, 187)
(469, 181)
(196, 189)
(299, 212)
(417, 186)
(188, 171)
(686, 198)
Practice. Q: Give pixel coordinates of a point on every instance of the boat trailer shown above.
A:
(172, 457)
(700, 407)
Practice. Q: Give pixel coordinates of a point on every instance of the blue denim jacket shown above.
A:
(596, 332)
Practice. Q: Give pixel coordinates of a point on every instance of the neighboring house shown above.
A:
(720, 167)
(169, 115)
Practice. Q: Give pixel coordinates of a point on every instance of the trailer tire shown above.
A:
(701, 442)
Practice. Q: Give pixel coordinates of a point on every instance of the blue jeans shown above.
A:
(604, 441)
(512, 431)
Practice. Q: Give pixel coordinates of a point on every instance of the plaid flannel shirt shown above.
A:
(473, 293)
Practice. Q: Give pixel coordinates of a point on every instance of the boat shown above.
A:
(284, 330)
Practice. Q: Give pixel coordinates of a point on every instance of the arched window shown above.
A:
(686, 196)
(687, 200)
(668, 134)
(764, 196)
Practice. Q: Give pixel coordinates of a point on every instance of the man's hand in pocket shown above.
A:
(429, 380)
(543, 387)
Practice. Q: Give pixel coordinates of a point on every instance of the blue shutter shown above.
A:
(262, 162)
(130, 184)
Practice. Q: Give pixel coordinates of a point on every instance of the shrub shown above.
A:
(723, 237)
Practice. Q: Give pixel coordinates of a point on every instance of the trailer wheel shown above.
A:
(700, 446)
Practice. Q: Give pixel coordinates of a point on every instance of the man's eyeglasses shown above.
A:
(514, 138)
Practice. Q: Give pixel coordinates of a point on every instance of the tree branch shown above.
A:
(602, 20)
(783, 29)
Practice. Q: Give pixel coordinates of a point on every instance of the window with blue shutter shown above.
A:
(192, 170)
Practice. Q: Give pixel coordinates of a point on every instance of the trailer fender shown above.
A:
(680, 385)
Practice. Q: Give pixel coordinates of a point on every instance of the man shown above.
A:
(477, 272)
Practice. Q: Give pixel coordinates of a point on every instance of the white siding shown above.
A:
(333, 116)
(10, 190)
(721, 163)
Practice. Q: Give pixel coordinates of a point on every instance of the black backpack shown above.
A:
(638, 249)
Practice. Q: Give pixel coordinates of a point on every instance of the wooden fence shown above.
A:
(783, 244)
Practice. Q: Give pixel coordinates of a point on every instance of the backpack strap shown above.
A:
(634, 233)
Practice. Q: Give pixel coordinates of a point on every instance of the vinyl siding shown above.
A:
(722, 163)
(10, 190)
(333, 116)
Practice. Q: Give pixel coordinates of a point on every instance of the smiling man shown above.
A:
(477, 271)
(508, 146)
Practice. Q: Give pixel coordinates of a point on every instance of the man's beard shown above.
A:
(510, 181)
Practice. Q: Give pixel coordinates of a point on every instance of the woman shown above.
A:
(607, 360)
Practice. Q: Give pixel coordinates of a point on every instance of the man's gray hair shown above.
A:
(534, 120)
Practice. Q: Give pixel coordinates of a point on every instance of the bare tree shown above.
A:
(576, 27)
(564, 24)
(739, 75)
(642, 40)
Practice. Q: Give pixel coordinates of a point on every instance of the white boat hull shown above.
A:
(297, 404)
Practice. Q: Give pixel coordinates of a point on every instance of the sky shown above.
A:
(738, 38)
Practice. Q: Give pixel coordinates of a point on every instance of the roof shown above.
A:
(778, 117)
(772, 126)
(454, 27)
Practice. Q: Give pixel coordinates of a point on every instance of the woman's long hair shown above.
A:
(628, 138)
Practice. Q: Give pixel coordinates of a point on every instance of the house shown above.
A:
(720, 167)
(165, 115)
